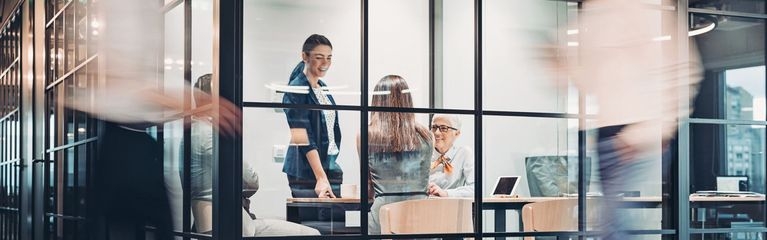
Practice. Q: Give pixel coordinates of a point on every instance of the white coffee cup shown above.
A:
(349, 190)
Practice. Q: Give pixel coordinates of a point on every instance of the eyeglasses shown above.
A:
(442, 128)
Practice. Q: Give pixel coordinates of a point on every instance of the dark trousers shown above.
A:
(128, 189)
(304, 188)
(614, 171)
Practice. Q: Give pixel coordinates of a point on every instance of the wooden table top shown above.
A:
(540, 199)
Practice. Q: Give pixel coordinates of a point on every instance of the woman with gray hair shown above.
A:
(452, 168)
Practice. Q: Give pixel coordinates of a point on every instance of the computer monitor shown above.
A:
(732, 183)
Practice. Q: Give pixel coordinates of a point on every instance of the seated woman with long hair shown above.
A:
(399, 149)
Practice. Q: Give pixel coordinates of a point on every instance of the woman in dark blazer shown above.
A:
(310, 164)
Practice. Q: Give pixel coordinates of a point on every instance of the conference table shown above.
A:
(499, 205)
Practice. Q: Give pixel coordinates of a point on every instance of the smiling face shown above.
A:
(443, 140)
(318, 61)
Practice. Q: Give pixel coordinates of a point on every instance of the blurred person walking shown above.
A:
(128, 189)
(630, 63)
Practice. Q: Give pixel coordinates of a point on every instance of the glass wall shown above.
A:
(727, 137)
(10, 129)
(530, 117)
(453, 117)
(72, 32)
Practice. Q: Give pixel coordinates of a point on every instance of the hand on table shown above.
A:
(434, 190)
(323, 189)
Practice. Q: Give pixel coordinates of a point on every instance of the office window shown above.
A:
(268, 149)
(747, 6)
(720, 151)
(732, 90)
(10, 129)
(71, 70)
(542, 152)
(734, 78)
(274, 32)
(522, 39)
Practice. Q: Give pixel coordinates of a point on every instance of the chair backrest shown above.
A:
(203, 216)
(433, 215)
(549, 176)
(558, 215)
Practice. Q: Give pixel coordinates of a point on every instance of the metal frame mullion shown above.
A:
(478, 226)
(186, 177)
(227, 166)
(364, 161)
(681, 200)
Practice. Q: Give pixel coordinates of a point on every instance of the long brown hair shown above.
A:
(394, 131)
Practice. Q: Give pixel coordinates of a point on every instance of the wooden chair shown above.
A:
(558, 215)
(433, 215)
(203, 216)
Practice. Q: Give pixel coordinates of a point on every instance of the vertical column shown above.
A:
(227, 70)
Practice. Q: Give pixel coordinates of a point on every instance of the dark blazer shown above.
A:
(296, 164)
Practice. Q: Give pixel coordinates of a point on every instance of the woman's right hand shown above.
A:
(323, 189)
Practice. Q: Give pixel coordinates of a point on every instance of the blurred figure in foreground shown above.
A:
(630, 62)
(128, 189)
(202, 180)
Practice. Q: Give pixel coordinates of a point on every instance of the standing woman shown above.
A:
(399, 150)
(311, 167)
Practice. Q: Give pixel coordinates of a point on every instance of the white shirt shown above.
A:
(330, 120)
(460, 182)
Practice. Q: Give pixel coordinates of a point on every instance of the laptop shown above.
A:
(506, 186)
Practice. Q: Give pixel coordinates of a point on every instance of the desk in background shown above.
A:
(500, 205)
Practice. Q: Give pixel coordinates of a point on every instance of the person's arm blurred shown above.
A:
(134, 102)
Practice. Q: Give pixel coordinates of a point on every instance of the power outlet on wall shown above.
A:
(279, 152)
(277, 98)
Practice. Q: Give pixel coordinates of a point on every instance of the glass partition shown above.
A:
(274, 145)
(726, 175)
(734, 79)
(274, 33)
(522, 40)
(744, 6)
(727, 136)
(542, 153)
